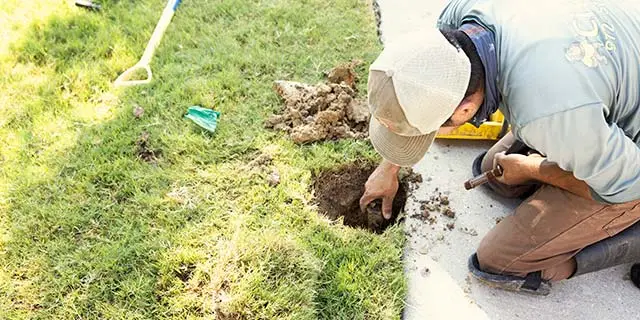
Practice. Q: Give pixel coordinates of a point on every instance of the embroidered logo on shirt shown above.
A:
(595, 37)
(585, 52)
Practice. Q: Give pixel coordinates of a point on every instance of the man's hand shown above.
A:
(382, 184)
(518, 169)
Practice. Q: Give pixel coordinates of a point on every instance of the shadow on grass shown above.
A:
(87, 220)
(93, 231)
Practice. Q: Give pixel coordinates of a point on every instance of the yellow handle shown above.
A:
(124, 79)
(145, 61)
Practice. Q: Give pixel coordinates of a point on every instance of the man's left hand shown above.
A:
(518, 169)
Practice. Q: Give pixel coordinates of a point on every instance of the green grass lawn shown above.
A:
(89, 231)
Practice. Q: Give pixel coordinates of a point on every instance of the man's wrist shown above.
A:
(532, 167)
(389, 166)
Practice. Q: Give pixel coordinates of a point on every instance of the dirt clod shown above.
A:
(326, 111)
(273, 179)
(470, 231)
(425, 216)
(344, 73)
(260, 161)
(410, 176)
(185, 272)
(449, 213)
(138, 111)
(144, 150)
(338, 192)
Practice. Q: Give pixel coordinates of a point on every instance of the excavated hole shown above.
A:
(338, 192)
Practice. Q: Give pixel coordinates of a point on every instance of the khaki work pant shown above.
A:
(548, 229)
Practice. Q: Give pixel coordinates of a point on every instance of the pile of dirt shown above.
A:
(326, 111)
(338, 192)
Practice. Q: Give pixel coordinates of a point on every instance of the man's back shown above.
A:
(569, 75)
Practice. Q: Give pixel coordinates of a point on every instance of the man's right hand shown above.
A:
(382, 184)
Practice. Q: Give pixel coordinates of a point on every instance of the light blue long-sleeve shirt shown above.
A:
(569, 76)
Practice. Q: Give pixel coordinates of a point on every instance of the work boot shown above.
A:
(619, 249)
(520, 191)
(635, 274)
(532, 283)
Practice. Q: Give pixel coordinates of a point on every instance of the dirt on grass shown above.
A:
(338, 192)
(326, 111)
(145, 151)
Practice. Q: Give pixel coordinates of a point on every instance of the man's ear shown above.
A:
(465, 111)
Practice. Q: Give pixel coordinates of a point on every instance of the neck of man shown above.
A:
(485, 51)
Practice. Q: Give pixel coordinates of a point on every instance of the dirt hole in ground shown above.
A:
(338, 192)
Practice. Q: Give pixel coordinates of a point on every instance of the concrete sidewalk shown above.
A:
(436, 257)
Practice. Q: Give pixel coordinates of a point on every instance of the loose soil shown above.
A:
(326, 111)
(144, 150)
(438, 202)
(338, 192)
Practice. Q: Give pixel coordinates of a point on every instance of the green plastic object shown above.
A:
(203, 117)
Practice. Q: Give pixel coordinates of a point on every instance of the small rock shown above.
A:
(273, 179)
(449, 213)
(138, 111)
(261, 160)
(451, 226)
(469, 231)
(425, 272)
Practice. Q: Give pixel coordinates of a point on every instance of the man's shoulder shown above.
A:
(493, 14)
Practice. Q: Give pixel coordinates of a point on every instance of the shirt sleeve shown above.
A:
(452, 15)
(581, 141)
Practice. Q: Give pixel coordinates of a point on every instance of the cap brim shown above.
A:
(401, 150)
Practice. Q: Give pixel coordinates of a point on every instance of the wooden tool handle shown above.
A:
(484, 178)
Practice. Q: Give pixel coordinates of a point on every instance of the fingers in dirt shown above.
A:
(387, 207)
(365, 200)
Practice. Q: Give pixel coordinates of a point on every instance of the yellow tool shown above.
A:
(144, 64)
(489, 130)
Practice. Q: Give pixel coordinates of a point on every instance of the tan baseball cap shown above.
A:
(414, 85)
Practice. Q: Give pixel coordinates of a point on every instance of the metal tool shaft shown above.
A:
(483, 178)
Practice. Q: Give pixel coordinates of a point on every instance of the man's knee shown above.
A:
(491, 259)
(499, 253)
